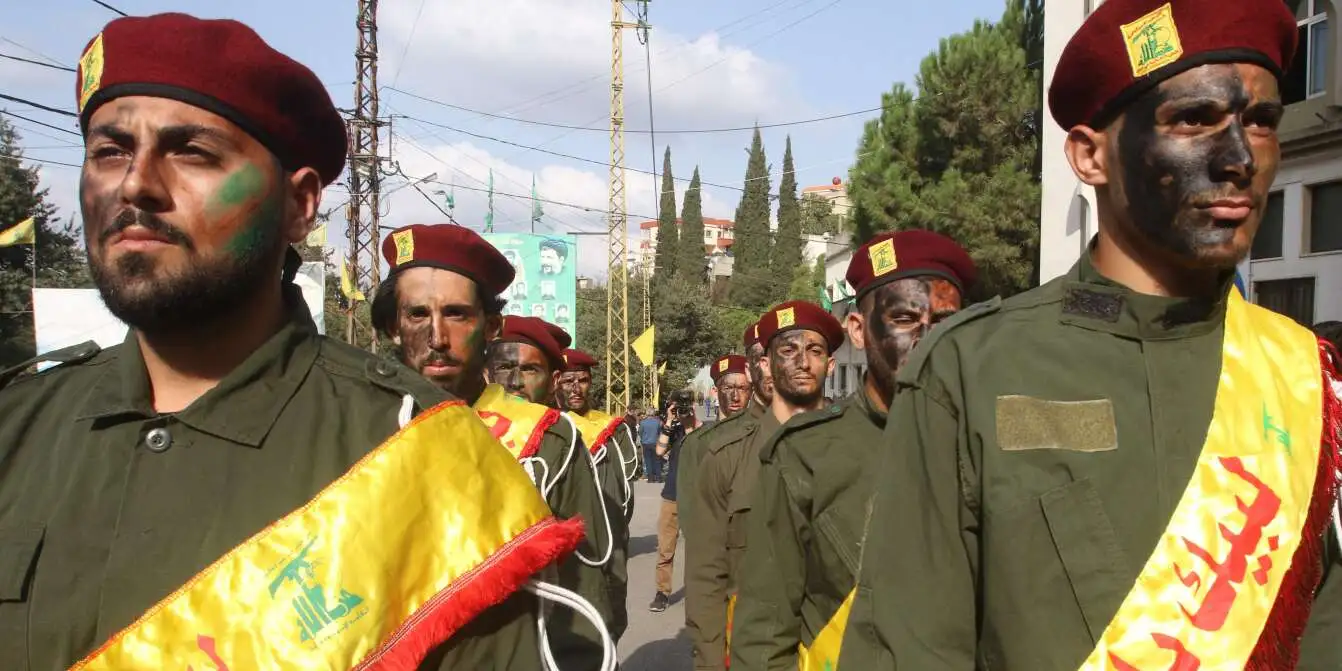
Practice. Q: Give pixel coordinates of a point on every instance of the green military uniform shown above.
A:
(692, 454)
(106, 506)
(805, 536)
(573, 640)
(1009, 520)
(615, 492)
(724, 493)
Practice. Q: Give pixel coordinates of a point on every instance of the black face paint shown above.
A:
(572, 391)
(1195, 152)
(520, 370)
(798, 361)
(762, 384)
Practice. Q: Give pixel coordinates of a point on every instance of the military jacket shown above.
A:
(107, 506)
(1035, 452)
(616, 495)
(724, 491)
(691, 455)
(805, 535)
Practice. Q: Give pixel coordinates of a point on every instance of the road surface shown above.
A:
(654, 641)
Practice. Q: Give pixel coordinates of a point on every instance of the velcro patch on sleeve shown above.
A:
(1028, 423)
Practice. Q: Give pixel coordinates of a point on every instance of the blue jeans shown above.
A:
(652, 464)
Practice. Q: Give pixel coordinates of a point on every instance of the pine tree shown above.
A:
(787, 251)
(752, 240)
(61, 262)
(884, 182)
(691, 261)
(668, 234)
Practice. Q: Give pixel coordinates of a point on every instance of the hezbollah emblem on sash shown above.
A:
(297, 581)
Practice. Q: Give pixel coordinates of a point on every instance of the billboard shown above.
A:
(65, 317)
(546, 281)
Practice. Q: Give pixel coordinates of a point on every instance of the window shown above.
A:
(1268, 243)
(843, 379)
(1307, 75)
(1090, 5)
(1325, 217)
(1293, 298)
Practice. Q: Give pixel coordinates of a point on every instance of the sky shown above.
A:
(716, 64)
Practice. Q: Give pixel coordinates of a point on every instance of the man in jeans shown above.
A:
(648, 431)
(680, 422)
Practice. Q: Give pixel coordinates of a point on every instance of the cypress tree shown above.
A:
(752, 239)
(691, 261)
(787, 251)
(668, 234)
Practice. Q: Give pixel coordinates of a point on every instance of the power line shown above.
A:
(414, 27)
(39, 63)
(19, 116)
(54, 110)
(106, 6)
(33, 51)
(683, 131)
(40, 160)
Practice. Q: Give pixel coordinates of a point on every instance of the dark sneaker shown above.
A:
(659, 603)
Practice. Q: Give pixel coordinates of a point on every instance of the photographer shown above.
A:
(678, 421)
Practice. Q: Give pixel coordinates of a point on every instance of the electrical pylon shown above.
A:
(617, 282)
(365, 176)
(650, 387)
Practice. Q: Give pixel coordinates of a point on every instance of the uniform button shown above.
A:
(158, 440)
(385, 369)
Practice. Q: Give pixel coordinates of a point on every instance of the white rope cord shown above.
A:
(407, 410)
(564, 597)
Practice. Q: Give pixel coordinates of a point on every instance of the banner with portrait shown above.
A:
(546, 281)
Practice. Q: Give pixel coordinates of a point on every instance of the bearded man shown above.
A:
(815, 476)
(1129, 467)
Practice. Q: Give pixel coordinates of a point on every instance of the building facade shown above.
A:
(1296, 264)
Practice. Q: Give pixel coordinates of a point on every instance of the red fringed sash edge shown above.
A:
(488, 585)
(1278, 647)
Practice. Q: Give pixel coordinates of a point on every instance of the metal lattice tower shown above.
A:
(365, 177)
(617, 283)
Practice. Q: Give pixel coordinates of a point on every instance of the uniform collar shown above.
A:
(243, 407)
(1095, 302)
(756, 409)
(863, 403)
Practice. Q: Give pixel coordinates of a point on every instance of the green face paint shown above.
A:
(245, 200)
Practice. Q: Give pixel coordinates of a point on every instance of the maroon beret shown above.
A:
(449, 247)
(751, 336)
(532, 331)
(794, 315)
(220, 66)
(912, 253)
(1127, 47)
(726, 365)
(576, 359)
(560, 335)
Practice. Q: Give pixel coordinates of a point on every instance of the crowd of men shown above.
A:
(1128, 467)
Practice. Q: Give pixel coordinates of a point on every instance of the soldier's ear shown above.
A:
(829, 370)
(855, 324)
(1087, 151)
(493, 325)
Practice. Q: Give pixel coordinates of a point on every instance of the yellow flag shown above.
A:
(22, 233)
(643, 345)
(347, 286)
(317, 238)
(661, 370)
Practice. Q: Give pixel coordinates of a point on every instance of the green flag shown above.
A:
(536, 211)
(825, 302)
(489, 214)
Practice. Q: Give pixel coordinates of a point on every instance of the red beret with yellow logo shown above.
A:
(560, 335)
(794, 315)
(912, 253)
(449, 247)
(576, 359)
(726, 365)
(751, 336)
(532, 331)
(220, 66)
(1127, 47)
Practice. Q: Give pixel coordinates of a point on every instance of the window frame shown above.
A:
(1307, 217)
(1281, 192)
(1317, 14)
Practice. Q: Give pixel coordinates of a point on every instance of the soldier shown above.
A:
(439, 306)
(762, 385)
(815, 477)
(732, 385)
(224, 425)
(526, 360)
(609, 441)
(1129, 467)
(799, 339)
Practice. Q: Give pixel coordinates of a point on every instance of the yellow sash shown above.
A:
(596, 428)
(727, 652)
(823, 655)
(361, 577)
(516, 422)
(1206, 592)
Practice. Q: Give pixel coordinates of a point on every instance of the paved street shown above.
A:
(654, 641)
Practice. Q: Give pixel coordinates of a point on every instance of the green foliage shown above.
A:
(752, 240)
(668, 234)
(961, 158)
(807, 281)
(591, 334)
(818, 216)
(787, 251)
(60, 258)
(691, 261)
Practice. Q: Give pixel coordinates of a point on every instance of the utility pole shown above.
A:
(650, 388)
(365, 176)
(617, 282)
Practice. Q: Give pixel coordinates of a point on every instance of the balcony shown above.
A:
(1312, 88)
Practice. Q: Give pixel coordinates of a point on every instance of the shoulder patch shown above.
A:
(66, 356)
(913, 367)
